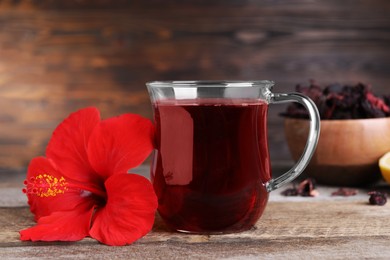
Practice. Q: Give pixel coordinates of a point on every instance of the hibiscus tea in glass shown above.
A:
(211, 166)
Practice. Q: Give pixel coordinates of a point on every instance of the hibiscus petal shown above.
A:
(129, 212)
(68, 144)
(47, 190)
(120, 143)
(61, 225)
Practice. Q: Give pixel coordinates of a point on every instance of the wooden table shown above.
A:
(324, 227)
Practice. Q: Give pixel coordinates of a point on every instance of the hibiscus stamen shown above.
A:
(45, 185)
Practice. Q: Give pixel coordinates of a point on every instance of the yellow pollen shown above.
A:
(45, 185)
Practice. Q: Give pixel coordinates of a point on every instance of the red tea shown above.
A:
(211, 162)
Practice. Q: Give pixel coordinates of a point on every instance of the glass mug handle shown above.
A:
(311, 144)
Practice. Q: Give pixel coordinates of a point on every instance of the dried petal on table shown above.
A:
(345, 192)
(290, 192)
(306, 189)
(377, 198)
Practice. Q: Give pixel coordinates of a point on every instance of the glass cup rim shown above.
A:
(211, 83)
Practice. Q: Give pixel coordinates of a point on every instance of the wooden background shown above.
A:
(59, 56)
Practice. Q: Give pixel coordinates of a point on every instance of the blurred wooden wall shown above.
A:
(59, 56)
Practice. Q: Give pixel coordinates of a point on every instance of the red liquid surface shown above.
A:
(210, 164)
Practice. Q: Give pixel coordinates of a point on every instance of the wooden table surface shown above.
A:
(324, 227)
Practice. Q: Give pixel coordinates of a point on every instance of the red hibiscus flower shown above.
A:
(82, 188)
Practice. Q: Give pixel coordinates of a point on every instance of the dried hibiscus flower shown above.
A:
(345, 192)
(290, 192)
(82, 188)
(338, 101)
(377, 198)
(306, 189)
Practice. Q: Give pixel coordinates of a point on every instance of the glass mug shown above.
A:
(211, 166)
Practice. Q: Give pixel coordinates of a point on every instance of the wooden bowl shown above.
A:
(348, 150)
